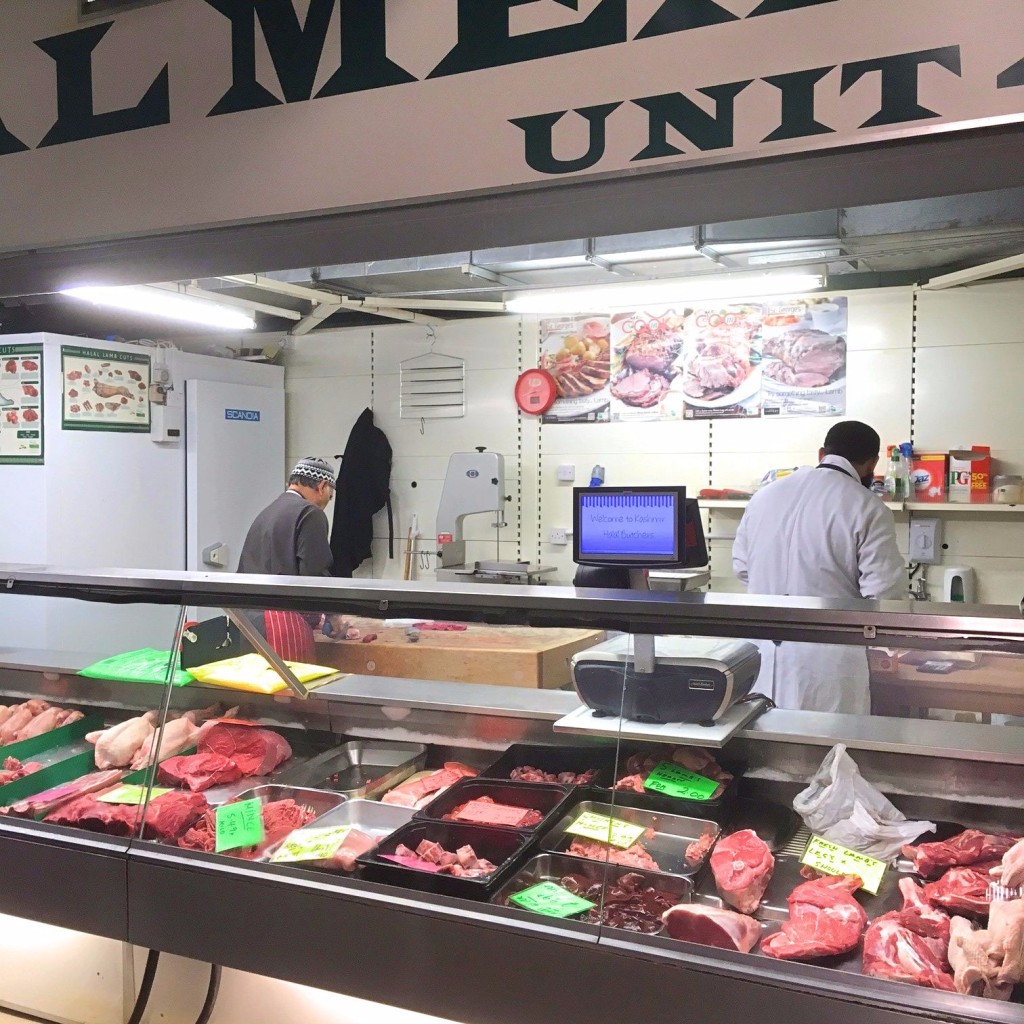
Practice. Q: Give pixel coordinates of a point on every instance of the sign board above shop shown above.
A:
(188, 113)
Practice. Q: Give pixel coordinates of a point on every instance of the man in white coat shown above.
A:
(821, 532)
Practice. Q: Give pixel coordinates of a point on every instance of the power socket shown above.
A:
(560, 537)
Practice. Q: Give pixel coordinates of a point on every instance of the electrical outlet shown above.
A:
(925, 541)
(560, 537)
(566, 474)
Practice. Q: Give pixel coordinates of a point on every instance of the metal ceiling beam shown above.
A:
(391, 312)
(979, 273)
(320, 313)
(456, 305)
(230, 300)
(472, 270)
(269, 284)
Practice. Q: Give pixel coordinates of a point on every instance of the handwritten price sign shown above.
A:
(671, 780)
(833, 859)
(238, 825)
(310, 844)
(606, 830)
(551, 899)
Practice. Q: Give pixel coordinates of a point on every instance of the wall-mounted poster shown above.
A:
(21, 405)
(804, 346)
(646, 348)
(105, 390)
(575, 351)
(720, 368)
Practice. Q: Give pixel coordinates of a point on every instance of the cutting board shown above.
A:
(499, 655)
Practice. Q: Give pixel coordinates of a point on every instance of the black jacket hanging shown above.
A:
(364, 488)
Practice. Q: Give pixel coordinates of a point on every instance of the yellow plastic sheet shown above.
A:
(253, 673)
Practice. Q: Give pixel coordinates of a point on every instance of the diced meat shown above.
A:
(50, 799)
(198, 771)
(962, 890)
(280, 817)
(430, 856)
(712, 926)
(256, 751)
(920, 916)
(635, 856)
(485, 811)
(893, 951)
(419, 792)
(969, 847)
(12, 769)
(699, 848)
(742, 865)
(824, 920)
(530, 774)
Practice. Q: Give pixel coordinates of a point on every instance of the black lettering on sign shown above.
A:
(693, 123)
(781, 6)
(540, 143)
(10, 143)
(683, 15)
(900, 82)
(485, 40)
(297, 49)
(1012, 76)
(797, 90)
(76, 118)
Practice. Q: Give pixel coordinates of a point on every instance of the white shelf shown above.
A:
(965, 508)
(713, 503)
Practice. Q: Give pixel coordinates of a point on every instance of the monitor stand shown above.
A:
(643, 643)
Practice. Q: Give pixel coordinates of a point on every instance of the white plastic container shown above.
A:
(1008, 490)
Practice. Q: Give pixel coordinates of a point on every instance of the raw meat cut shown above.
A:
(893, 951)
(433, 857)
(116, 746)
(43, 722)
(920, 916)
(355, 844)
(712, 926)
(166, 818)
(178, 735)
(279, 818)
(20, 716)
(198, 771)
(963, 890)
(12, 769)
(50, 799)
(629, 902)
(969, 847)
(824, 920)
(698, 849)
(485, 811)
(694, 759)
(418, 793)
(256, 751)
(529, 774)
(170, 815)
(1011, 869)
(635, 856)
(742, 865)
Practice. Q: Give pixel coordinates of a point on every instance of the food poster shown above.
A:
(21, 405)
(804, 346)
(719, 371)
(646, 347)
(105, 390)
(575, 350)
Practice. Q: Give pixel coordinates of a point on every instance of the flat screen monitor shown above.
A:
(637, 527)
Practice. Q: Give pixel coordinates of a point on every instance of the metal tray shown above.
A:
(555, 759)
(774, 823)
(550, 867)
(673, 833)
(548, 799)
(369, 816)
(319, 801)
(362, 768)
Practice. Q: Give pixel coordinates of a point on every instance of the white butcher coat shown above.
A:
(818, 533)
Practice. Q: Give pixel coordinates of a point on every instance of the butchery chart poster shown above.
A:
(105, 390)
(21, 405)
(575, 350)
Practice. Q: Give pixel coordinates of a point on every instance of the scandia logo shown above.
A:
(246, 415)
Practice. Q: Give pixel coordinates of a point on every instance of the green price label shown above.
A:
(833, 859)
(551, 899)
(239, 824)
(310, 844)
(128, 794)
(606, 830)
(672, 780)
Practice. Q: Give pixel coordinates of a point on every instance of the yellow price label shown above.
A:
(310, 844)
(833, 859)
(606, 830)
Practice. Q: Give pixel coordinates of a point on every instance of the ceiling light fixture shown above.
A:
(168, 305)
(732, 286)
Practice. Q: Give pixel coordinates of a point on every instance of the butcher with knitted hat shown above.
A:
(290, 538)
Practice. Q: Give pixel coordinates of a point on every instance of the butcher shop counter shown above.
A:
(382, 936)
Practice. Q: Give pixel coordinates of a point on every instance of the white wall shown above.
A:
(954, 378)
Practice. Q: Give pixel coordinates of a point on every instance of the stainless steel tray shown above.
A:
(673, 833)
(369, 816)
(361, 768)
(319, 801)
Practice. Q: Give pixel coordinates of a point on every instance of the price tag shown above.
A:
(606, 830)
(672, 780)
(486, 812)
(833, 859)
(128, 794)
(551, 899)
(239, 824)
(311, 844)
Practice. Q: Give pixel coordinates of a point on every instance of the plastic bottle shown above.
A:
(906, 464)
(894, 488)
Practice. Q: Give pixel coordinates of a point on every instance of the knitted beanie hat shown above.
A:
(314, 469)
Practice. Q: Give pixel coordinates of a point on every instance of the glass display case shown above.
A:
(229, 769)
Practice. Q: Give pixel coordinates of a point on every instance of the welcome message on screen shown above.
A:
(627, 524)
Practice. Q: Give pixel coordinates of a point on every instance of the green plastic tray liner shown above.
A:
(147, 665)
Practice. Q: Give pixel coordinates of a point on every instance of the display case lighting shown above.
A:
(158, 302)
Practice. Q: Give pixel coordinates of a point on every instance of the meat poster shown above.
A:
(720, 368)
(105, 390)
(804, 346)
(21, 405)
(646, 347)
(575, 351)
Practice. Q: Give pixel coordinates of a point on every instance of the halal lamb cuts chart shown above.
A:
(105, 390)
(21, 405)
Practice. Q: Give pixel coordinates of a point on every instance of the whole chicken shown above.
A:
(116, 746)
(1006, 941)
(177, 736)
(1010, 871)
(990, 961)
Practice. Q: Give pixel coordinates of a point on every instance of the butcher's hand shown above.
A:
(1010, 871)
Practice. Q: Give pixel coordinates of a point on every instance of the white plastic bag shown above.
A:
(843, 807)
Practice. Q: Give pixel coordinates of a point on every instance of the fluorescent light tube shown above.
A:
(578, 300)
(160, 303)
